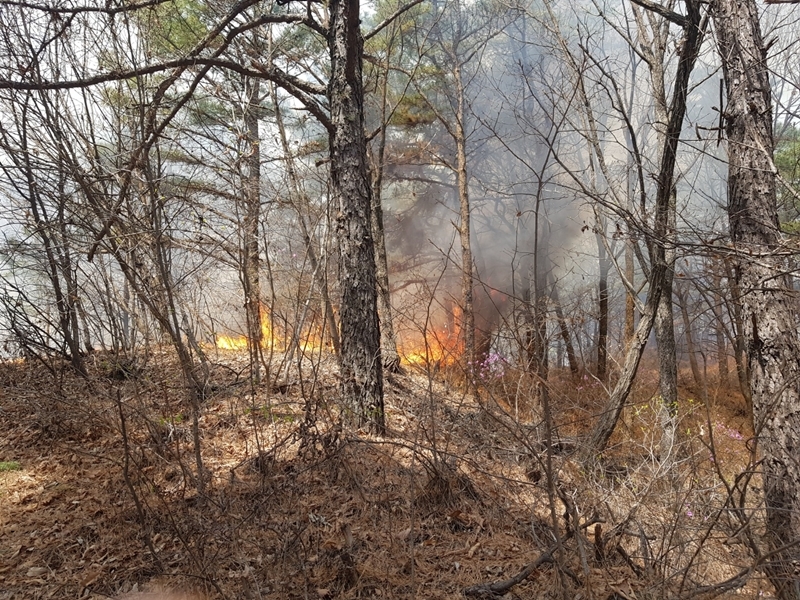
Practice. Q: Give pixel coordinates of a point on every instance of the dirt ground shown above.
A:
(99, 489)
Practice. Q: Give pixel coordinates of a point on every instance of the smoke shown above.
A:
(524, 225)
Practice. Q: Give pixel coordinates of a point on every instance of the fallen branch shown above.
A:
(498, 588)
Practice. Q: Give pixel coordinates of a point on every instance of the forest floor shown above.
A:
(98, 489)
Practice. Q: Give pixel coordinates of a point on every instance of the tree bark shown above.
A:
(391, 358)
(602, 303)
(683, 302)
(769, 312)
(464, 234)
(251, 260)
(351, 192)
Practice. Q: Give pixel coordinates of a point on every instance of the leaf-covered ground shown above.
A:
(100, 495)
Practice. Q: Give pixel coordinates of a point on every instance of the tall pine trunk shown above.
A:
(769, 310)
(351, 194)
(465, 233)
(251, 261)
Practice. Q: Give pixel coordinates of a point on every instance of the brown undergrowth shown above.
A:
(458, 494)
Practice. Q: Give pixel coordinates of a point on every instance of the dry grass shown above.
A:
(457, 494)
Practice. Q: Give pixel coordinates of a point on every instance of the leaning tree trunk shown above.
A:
(361, 369)
(692, 40)
(768, 306)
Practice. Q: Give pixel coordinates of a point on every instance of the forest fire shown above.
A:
(240, 342)
(436, 344)
(271, 339)
(438, 348)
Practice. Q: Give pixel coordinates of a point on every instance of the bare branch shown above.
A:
(107, 9)
(193, 58)
(669, 15)
(388, 20)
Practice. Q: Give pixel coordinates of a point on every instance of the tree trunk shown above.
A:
(464, 232)
(599, 436)
(665, 341)
(719, 329)
(59, 265)
(769, 315)
(665, 338)
(391, 358)
(251, 261)
(562, 326)
(683, 303)
(740, 345)
(692, 40)
(301, 205)
(538, 351)
(630, 300)
(351, 194)
(602, 303)
(722, 355)
(541, 342)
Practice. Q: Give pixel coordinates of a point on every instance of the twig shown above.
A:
(499, 588)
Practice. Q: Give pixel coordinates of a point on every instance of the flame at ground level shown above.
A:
(271, 339)
(439, 344)
(439, 347)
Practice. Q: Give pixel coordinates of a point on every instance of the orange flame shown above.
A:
(308, 341)
(437, 346)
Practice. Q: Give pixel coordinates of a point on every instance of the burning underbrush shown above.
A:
(276, 335)
(462, 494)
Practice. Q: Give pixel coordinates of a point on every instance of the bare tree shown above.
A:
(658, 235)
(44, 191)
